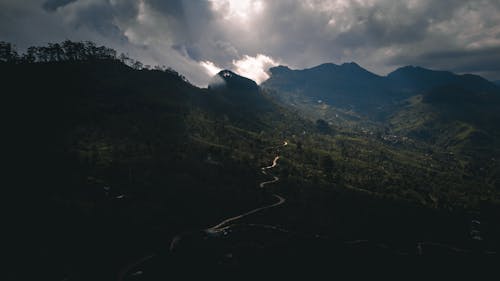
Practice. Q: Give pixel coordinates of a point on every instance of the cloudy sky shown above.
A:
(199, 37)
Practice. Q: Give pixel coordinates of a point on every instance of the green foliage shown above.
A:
(438, 149)
(55, 52)
(88, 128)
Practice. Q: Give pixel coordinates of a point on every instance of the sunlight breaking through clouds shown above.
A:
(254, 68)
(380, 35)
(237, 9)
(210, 67)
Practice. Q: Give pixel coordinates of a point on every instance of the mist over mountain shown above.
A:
(230, 81)
(239, 91)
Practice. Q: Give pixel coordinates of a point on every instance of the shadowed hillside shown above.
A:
(111, 160)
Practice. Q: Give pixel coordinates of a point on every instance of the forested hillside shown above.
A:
(110, 160)
(432, 112)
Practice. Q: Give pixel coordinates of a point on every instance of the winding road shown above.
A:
(132, 268)
(280, 201)
(135, 267)
(219, 226)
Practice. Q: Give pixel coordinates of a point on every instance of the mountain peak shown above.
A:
(280, 67)
(347, 68)
(276, 70)
(238, 93)
(416, 70)
(226, 73)
(409, 67)
(226, 79)
(419, 79)
(329, 66)
(325, 66)
(351, 64)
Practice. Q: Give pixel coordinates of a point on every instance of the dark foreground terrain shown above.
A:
(128, 173)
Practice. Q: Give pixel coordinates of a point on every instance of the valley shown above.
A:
(123, 172)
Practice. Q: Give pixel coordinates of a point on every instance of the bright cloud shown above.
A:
(254, 68)
(197, 38)
(210, 67)
(237, 9)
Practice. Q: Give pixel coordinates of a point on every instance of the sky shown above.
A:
(199, 37)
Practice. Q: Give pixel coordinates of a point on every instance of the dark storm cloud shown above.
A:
(386, 25)
(187, 21)
(458, 35)
(52, 5)
(97, 16)
(479, 60)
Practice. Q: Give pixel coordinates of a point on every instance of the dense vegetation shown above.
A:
(431, 136)
(110, 160)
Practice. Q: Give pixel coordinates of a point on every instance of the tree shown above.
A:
(124, 58)
(69, 50)
(8, 52)
(31, 55)
(137, 65)
(43, 54)
(55, 52)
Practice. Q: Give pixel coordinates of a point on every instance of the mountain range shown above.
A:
(350, 86)
(438, 107)
(113, 162)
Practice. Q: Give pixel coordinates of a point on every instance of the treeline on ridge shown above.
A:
(70, 51)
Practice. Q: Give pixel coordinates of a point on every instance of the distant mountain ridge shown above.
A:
(418, 79)
(352, 87)
(347, 85)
